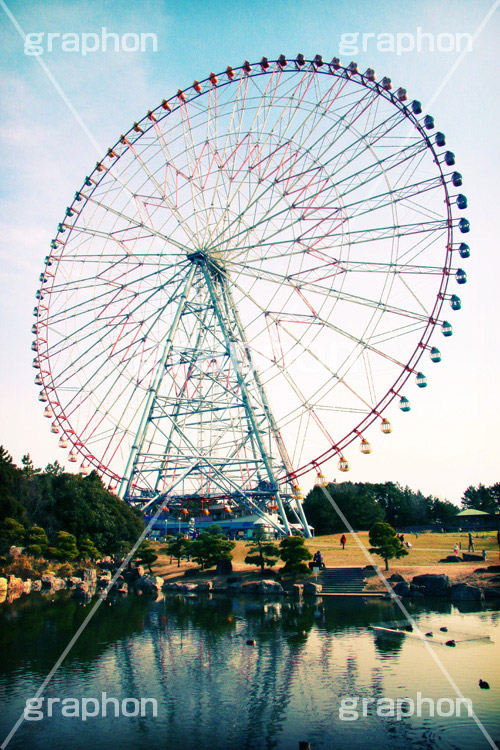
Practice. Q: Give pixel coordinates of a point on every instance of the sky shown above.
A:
(449, 439)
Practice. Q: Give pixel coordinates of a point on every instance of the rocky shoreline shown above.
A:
(91, 581)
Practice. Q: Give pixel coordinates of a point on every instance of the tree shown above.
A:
(482, 498)
(5, 455)
(88, 550)
(10, 507)
(36, 541)
(443, 511)
(210, 547)
(28, 466)
(177, 546)
(57, 501)
(146, 555)
(385, 543)
(54, 469)
(261, 551)
(12, 532)
(65, 548)
(356, 501)
(293, 552)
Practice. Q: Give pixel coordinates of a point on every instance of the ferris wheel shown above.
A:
(246, 281)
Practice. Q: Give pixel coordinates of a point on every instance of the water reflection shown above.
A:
(217, 690)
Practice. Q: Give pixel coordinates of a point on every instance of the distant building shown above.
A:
(241, 525)
(475, 520)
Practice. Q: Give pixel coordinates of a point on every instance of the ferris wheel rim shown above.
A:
(422, 344)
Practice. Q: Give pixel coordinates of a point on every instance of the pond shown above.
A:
(247, 673)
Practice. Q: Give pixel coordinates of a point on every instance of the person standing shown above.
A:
(471, 543)
(343, 540)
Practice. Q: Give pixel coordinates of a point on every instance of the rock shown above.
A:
(492, 593)
(234, 579)
(312, 589)
(133, 574)
(82, 590)
(174, 586)
(15, 551)
(416, 591)
(451, 559)
(234, 588)
(150, 584)
(435, 584)
(104, 579)
(36, 585)
(468, 557)
(462, 592)
(14, 583)
(187, 587)
(493, 568)
(270, 587)
(395, 578)
(224, 567)
(121, 587)
(204, 586)
(12, 594)
(27, 586)
(402, 588)
(89, 575)
(262, 587)
(297, 589)
(3, 584)
(106, 563)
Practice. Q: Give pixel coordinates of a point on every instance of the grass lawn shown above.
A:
(426, 552)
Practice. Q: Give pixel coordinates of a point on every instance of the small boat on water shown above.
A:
(379, 630)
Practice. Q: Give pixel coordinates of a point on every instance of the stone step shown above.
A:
(349, 581)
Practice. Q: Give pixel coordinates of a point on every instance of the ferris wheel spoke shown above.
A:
(326, 188)
(161, 192)
(298, 341)
(132, 223)
(291, 104)
(80, 360)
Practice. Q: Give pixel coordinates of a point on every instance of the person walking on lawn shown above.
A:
(343, 540)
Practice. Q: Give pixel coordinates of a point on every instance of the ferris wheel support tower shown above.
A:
(217, 313)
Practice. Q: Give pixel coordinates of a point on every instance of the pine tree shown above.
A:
(385, 543)
(261, 551)
(294, 553)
